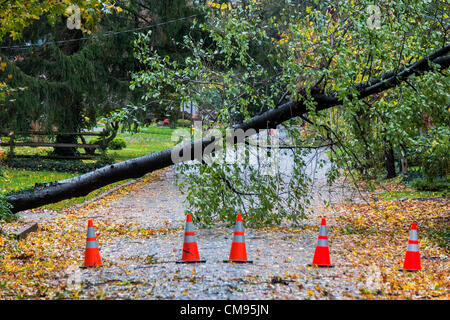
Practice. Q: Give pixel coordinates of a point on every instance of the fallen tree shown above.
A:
(82, 185)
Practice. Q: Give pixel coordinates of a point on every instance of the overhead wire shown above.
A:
(105, 34)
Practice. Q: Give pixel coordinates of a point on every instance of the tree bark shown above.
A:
(135, 168)
(390, 162)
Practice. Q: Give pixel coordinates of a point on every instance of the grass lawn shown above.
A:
(395, 189)
(17, 179)
(395, 195)
(150, 139)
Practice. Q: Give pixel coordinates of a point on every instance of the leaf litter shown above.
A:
(140, 233)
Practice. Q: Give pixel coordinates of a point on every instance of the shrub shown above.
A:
(73, 166)
(183, 123)
(437, 184)
(117, 144)
(434, 153)
(412, 174)
(104, 160)
(98, 141)
(5, 209)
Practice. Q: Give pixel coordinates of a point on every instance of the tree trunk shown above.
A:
(135, 168)
(390, 162)
(71, 124)
(66, 151)
(403, 159)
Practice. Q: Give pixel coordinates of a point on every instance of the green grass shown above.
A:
(148, 140)
(159, 130)
(18, 179)
(395, 195)
(152, 139)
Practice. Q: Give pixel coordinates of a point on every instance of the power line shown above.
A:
(105, 34)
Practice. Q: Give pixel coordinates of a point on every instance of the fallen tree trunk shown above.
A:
(135, 168)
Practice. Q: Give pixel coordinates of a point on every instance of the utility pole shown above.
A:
(192, 122)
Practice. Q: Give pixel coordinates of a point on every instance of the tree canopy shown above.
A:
(70, 78)
(15, 16)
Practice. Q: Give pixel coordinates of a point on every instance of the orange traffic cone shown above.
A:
(92, 253)
(322, 253)
(190, 250)
(238, 252)
(412, 258)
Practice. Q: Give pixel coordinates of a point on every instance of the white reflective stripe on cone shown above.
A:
(413, 247)
(91, 232)
(323, 231)
(189, 227)
(413, 235)
(188, 239)
(239, 226)
(91, 244)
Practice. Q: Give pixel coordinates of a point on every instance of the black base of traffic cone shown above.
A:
(406, 270)
(198, 261)
(238, 261)
(320, 265)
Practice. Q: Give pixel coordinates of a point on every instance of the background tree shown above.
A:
(74, 80)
